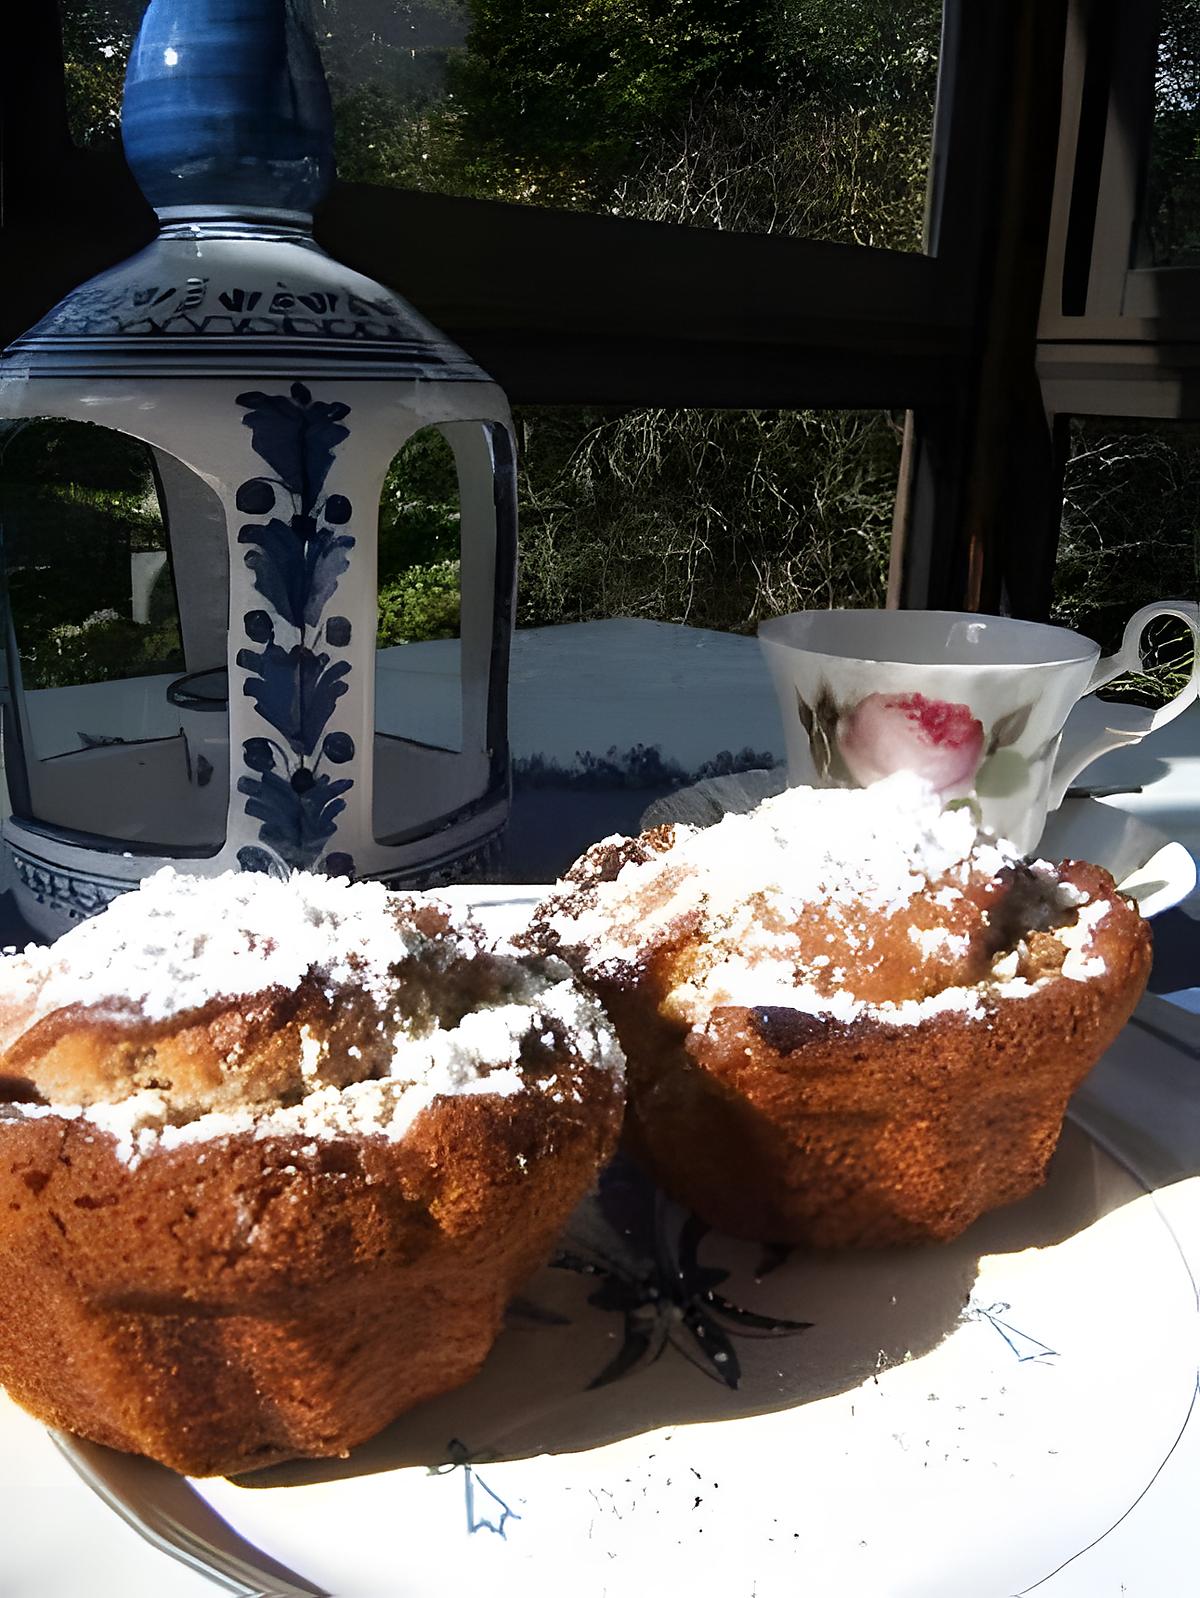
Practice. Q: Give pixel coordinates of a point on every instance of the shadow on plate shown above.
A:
(647, 1319)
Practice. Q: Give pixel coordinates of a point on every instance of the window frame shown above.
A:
(1116, 337)
(969, 338)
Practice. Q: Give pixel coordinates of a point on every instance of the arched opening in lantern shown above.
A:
(444, 609)
(420, 596)
(115, 574)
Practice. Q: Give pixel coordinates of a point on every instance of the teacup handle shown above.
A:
(1126, 724)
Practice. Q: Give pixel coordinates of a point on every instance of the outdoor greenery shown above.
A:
(1131, 534)
(808, 118)
(79, 502)
(803, 117)
(715, 518)
(418, 544)
(1173, 198)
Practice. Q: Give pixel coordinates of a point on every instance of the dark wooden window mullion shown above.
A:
(966, 538)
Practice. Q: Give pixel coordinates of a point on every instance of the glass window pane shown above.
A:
(1130, 535)
(810, 120)
(709, 520)
(652, 543)
(1173, 194)
(712, 518)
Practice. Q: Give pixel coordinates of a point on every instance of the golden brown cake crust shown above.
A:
(273, 1158)
(228, 1304)
(861, 1134)
(919, 1075)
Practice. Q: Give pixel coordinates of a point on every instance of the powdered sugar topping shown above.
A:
(179, 942)
(851, 867)
(872, 849)
(482, 1055)
(519, 1023)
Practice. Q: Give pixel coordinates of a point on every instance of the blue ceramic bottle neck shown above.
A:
(227, 112)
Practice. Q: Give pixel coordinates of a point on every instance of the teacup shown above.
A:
(977, 705)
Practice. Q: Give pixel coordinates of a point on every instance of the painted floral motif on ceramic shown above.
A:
(75, 894)
(940, 740)
(297, 555)
(645, 1257)
(118, 305)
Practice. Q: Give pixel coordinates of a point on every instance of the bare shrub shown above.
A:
(1130, 534)
(755, 163)
(713, 518)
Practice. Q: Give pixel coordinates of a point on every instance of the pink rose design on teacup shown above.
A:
(940, 741)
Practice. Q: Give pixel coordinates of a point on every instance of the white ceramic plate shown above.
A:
(972, 1418)
(960, 1419)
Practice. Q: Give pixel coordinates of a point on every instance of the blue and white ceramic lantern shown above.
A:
(273, 387)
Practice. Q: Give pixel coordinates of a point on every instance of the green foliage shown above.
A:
(400, 144)
(403, 43)
(811, 119)
(102, 648)
(96, 40)
(78, 501)
(77, 454)
(768, 115)
(423, 603)
(563, 98)
(876, 55)
(418, 508)
(756, 164)
(419, 543)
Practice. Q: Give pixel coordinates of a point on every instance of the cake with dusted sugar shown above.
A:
(850, 1017)
(274, 1155)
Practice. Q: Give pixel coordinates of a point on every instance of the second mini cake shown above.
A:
(850, 1018)
(274, 1155)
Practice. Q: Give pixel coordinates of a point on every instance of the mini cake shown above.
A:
(274, 1155)
(850, 1018)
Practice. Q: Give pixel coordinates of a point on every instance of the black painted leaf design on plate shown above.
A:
(524, 1312)
(642, 1345)
(750, 1324)
(714, 1345)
